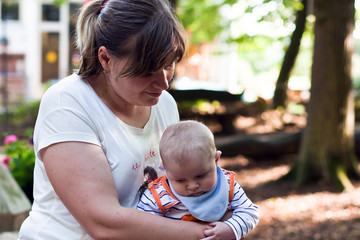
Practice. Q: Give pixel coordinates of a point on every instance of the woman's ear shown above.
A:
(217, 156)
(104, 58)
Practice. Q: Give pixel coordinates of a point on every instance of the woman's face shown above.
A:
(140, 90)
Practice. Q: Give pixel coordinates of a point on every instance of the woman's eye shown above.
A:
(147, 74)
(170, 66)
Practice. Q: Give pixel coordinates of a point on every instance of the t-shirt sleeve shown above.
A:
(62, 121)
(245, 215)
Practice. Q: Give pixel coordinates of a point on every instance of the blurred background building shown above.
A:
(36, 46)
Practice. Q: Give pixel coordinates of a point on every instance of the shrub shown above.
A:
(19, 119)
(19, 157)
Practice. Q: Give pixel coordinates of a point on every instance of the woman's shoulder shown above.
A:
(71, 86)
(67, 84)
(68, 93)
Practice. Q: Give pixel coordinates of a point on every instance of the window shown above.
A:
(10, 10)
(50, 12)
(50, 56)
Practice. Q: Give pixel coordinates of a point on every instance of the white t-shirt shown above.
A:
(71, 111)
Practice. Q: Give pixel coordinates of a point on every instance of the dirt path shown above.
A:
(314, 212)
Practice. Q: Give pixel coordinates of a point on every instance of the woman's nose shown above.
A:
(161, 80)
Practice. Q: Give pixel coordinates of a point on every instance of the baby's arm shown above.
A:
(245, 214)
(148, 204)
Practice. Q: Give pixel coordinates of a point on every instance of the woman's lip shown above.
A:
(154, 94)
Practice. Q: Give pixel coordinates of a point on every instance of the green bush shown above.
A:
(19, 158)
(19, 119)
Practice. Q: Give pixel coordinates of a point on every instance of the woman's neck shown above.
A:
(133, 115)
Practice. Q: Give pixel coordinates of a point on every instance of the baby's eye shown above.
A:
(180, 180)
(201, 176)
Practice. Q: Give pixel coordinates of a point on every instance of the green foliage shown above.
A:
(206, 20)
(201, 18)
(60, 2)
(201, 106)
(296, 108)
(259, 30)
(19, 155)
(21, 160)
(19, 119)
(24, 113)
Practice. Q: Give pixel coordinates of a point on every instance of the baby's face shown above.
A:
(193, 179)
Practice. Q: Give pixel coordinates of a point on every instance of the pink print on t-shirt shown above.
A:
(147, 157)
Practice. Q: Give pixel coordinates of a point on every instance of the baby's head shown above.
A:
(189, 157)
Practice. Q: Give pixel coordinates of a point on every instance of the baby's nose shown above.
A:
(193, 186)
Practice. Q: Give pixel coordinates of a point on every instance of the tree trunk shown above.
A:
(280, 95)
(327, 145)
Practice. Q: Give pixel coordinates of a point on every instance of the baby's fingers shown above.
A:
(212, 224)
(209, 232)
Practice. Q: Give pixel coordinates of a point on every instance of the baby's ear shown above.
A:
(217, 156)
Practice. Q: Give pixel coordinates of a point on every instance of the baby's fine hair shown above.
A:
(146, 31)
(185, 141)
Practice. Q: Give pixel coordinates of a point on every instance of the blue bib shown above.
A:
(210, 206)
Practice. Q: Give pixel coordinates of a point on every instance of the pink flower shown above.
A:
(6, 161)
(10, 139)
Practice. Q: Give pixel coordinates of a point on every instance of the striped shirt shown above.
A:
(245, 214)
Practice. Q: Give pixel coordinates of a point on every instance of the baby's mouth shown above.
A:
(196, 194)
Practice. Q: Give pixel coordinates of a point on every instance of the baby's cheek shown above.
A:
(210, 185)
(179, 188)
(214, 182)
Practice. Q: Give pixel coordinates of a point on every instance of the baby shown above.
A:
(195, 188)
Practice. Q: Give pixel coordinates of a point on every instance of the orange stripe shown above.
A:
(167, 188)
(171, 205)
(231, 185)
(189, 218)
(156, 195)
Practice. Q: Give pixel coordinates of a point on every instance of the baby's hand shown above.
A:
(219, 231)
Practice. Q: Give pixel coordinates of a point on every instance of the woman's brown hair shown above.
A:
(147, 32)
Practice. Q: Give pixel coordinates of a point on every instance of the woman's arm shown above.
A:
(81, 177)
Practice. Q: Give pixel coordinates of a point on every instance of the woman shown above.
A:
(98, 129)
